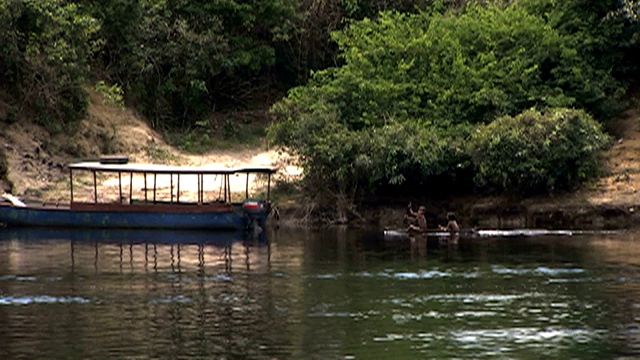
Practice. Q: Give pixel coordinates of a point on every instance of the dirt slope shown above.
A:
(622, 182)
(36, 159)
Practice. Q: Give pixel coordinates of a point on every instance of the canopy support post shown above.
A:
(95, 187)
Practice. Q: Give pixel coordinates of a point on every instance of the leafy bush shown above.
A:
(537, 151)
(413, 86)
(458, 67)
(112, 94)
(399, 110)
(340, 162)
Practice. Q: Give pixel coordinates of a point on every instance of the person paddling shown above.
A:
(420, 223)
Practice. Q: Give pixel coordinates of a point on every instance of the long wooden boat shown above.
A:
(147, 207)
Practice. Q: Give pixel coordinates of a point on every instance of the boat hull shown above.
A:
(233, 219)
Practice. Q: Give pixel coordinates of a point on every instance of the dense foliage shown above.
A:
(176, 62)
(537, 151)
(341, 159)
(414, 87)
(45, 48)
(601, 58)
(180, 60)
(389, 92)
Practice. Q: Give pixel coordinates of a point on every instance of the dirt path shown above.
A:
(36, 160)
(621, 182)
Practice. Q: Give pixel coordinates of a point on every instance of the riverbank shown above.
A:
(611, 202)
(501, 213)
(35, 170)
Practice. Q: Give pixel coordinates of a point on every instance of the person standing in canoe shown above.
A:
(419, 222)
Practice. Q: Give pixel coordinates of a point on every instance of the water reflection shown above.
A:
(162, 297)
(140, 251)
(330, 294)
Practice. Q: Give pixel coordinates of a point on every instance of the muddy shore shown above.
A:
(487, 213)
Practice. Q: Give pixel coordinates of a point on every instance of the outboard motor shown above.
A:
(257, 210)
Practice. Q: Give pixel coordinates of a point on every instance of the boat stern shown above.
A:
(257, 210)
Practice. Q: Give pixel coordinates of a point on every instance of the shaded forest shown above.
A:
(176, 62)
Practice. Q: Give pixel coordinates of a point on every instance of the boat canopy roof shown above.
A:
(169, 169)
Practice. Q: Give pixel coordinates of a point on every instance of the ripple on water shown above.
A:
(404, 318)
(480, 298)
(171, 300)
(17, 278)
(431, 274)
(620, 279)
(497, 342)
(540, 270)
(399, 275)
(423, 274)
(357, 315)
(217, 278)
(324, 310)
(41, 299)
(487, 338)
(327, 276)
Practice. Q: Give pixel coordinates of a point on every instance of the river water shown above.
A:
(330, 294)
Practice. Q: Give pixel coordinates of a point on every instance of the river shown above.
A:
(329, 294)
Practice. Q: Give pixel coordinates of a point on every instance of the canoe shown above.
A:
(481, 233)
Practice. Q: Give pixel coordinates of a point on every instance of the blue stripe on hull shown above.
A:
(125, 220)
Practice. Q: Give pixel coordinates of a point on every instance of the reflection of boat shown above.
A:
(143, 250)
(391, 234)
(133, 236)
(152, 209)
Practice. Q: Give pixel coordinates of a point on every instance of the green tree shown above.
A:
(343, 164)
(45, 46)
(180, 60)
(600, 62)
(429, 79)
(311, 46)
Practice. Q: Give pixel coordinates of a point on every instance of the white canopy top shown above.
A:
(169, 169)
